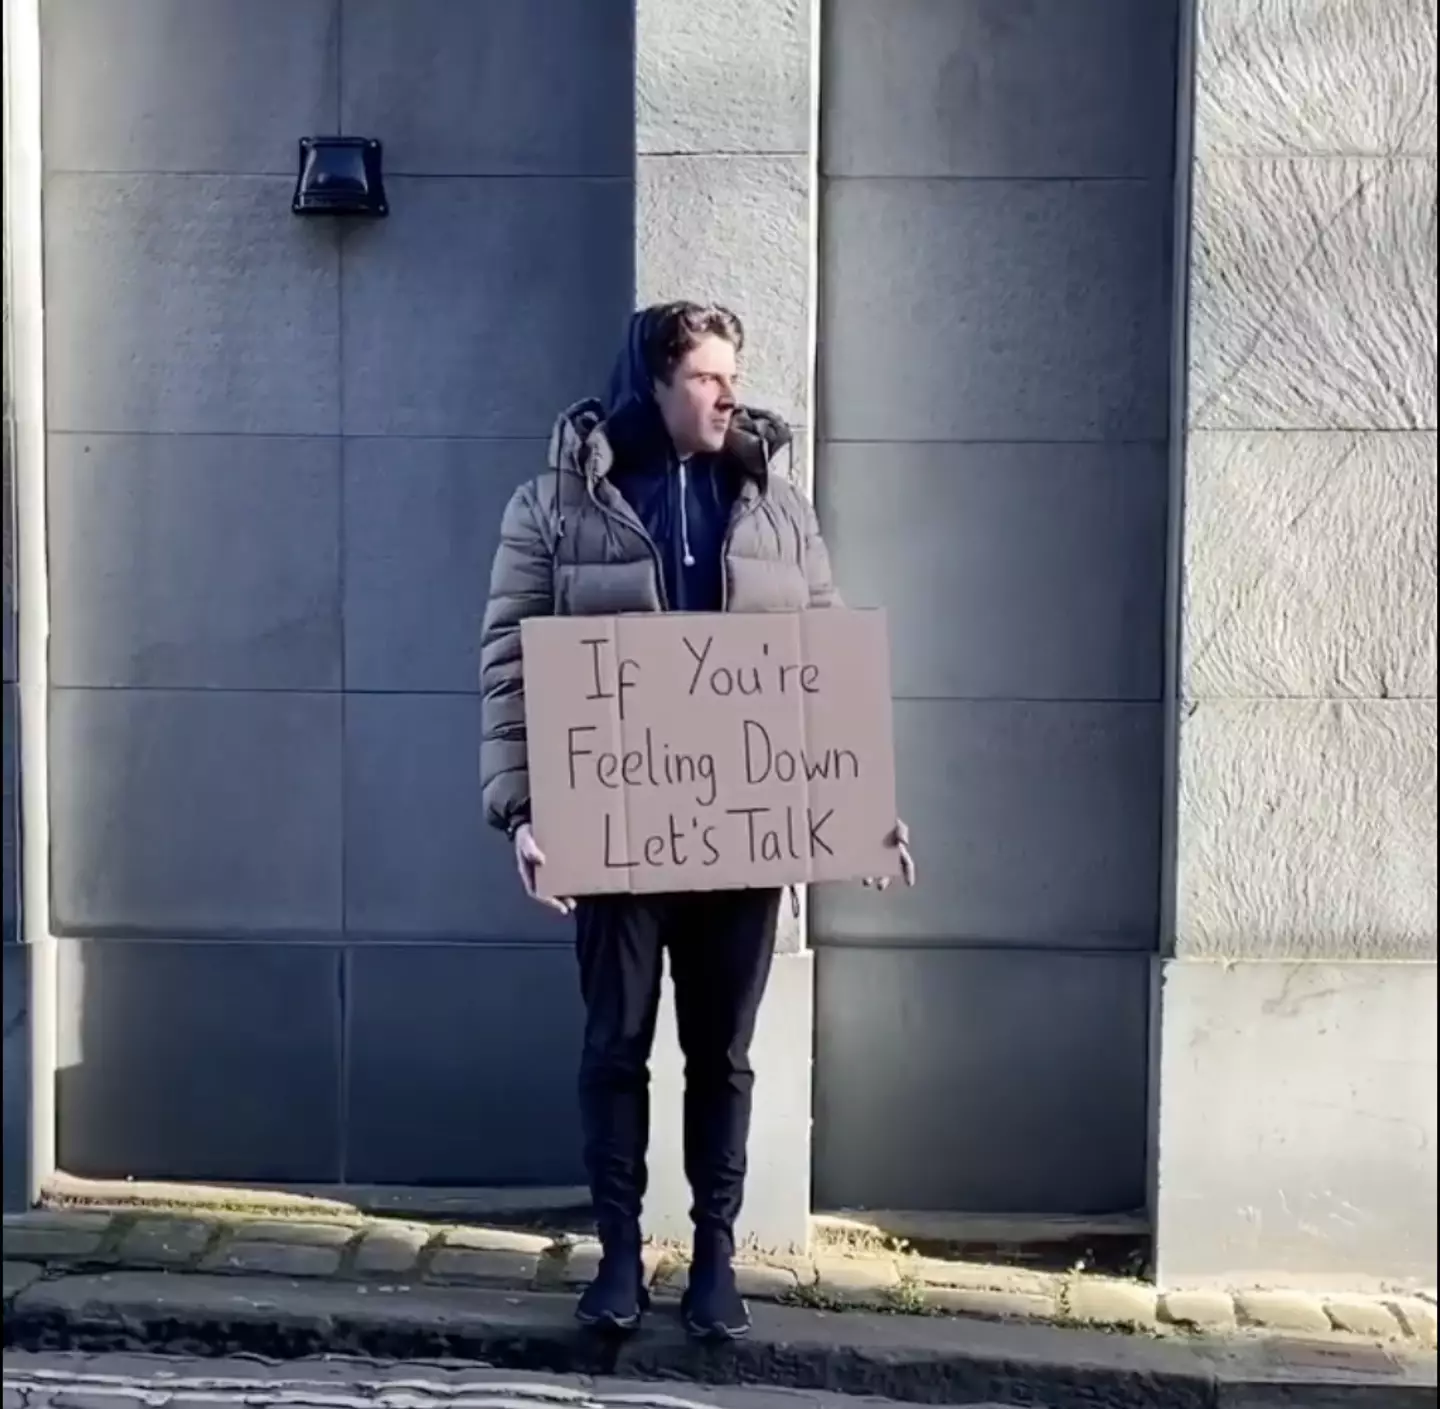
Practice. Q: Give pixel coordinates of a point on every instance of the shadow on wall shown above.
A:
(302, 1065)
(17, 972)
(16, 1074)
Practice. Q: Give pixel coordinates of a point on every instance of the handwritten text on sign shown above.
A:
(706, 752)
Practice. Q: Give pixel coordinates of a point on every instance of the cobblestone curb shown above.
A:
(395, 1253)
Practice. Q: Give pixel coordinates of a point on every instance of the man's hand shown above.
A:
(528, 858)
(900, 840)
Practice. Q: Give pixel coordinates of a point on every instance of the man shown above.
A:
(664, 497)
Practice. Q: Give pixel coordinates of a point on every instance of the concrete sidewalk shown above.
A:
(946, 1332)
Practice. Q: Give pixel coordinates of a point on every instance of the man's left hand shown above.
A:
(900, 840)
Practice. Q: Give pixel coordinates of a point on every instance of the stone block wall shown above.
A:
(1297, 1078)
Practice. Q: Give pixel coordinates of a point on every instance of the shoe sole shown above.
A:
(614, 1325)
(618, 1325)
(715, 1332)
(716, 1335)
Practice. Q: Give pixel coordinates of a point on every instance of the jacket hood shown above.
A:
(585, 435)
(631, 385)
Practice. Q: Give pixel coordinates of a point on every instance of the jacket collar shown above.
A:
(583, 442)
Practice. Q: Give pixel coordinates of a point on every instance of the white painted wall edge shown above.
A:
(24, 235)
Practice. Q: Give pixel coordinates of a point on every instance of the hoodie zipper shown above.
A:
(632, 522)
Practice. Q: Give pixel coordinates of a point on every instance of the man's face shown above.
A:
(699, 399)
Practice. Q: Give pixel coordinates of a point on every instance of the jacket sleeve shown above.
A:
(521, 585)
(818, 575)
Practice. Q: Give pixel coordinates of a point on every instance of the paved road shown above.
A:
(73, 1381)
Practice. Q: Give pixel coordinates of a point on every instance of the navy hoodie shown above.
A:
(684, 507)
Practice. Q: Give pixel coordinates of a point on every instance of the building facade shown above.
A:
(1110, 329)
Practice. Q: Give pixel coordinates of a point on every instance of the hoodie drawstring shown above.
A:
(687, 556)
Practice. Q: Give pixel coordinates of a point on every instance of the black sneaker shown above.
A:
(616, 1300)
(712, 1307)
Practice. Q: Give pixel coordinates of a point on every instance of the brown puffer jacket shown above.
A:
(570, 545)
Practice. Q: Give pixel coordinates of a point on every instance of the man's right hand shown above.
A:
(528, 858)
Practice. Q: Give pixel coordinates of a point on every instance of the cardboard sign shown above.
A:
(677, 752)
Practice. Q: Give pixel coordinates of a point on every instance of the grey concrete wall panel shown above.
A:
(16, 1070)
(483, 307)
(727, 76)
(195, 561)
(199, 1061)
(1044, 564)
(1298, 1133)
(1304, 77)
(695, 213)
(10, 819)
(491, 88)
(995, 310)
(9, 623)
(9, 562)
(195, 813)
(991, 88)
(422, 522)
(463, 1062)
(189, 304)
(186, 85)
(419, 859)
(1310, 564)
(1313, 295)
(1033, 824)
(1309, 830)
(981, 1080)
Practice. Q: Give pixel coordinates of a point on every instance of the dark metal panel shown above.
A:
(995, 366)
(10, 818)
(9, 560)
(194, 561)
(485, 305)
(1044, 565)
(189, 304)
(172, 86)
(420, 862)
(1033, 823)
(462, 1065)
(16, 1067)
(981, 1080)
(532, 89)
(995, 310)
(194, 813)
(199, 1061)
(422, 522)
(993, 88)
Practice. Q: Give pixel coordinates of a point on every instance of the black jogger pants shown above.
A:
(720, 945)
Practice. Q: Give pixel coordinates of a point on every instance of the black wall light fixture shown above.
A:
(339, 176)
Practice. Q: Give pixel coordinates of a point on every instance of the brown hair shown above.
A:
(673, 329)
